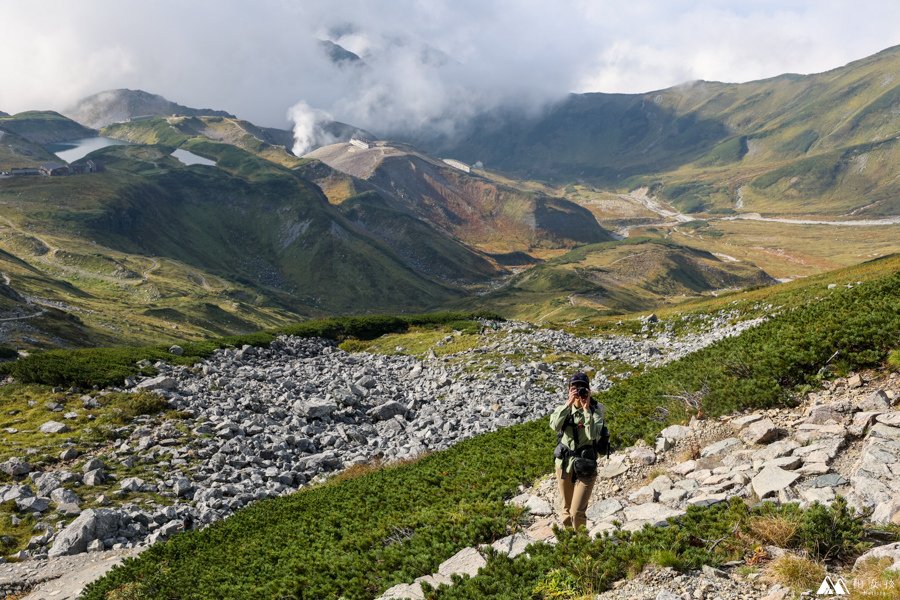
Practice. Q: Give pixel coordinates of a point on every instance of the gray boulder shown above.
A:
(54, 427)
(315, 409)
(15, 467)
(92, 464)
(64, 496)
(652, 512)
(760, 432)
(160, 382)
(771, 480)
(891, 551)
(643, 455)
(92, 524)
(183, 487)
(465, 562)
(720, 447)
(604, 508)
(32, 504)
(387, 411)
(95, 477)
(676, 432)
(132, 484)
(513, 545)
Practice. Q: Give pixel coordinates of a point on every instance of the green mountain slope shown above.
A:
(248, 221)
(838, 128)
(616, 277)
(44, 127)
(17, 152)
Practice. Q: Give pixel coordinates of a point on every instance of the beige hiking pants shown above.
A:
(574, 498)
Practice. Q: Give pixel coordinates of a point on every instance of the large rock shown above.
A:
(720, 447)
(760, 432)
(643, 455)
(537, 506)
(876, 402)
(403, 591)
(823, 413)
(93, 478)
(160, 382)
(742, 422)
(32, 504)
(652, 512)
(315, 409)
(684, 468)
(891, 419)
(132, 484)
(465, 562)
(891, 551)
(92, 524)
(861, 423)
(512, 545)
(615, 467)
(183, 487)
(603, 509)
(676, 432)
(776, 450)
(387, 411)
(15, 467)
(54, 427)
(771, 480)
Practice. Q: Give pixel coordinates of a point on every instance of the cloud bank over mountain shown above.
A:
(421, 64)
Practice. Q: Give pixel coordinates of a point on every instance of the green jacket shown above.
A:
(587, 428)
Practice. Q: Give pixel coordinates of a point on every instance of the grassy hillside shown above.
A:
(270, 144)
(247, 221)
(822, 143)
(335, 539)
(617, 277)
(44, 127)
(17, 152)
(422, 246)
(152, 248)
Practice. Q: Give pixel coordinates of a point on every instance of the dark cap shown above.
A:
(580, 379)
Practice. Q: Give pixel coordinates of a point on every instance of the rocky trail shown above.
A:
(262, 422)
(844, 440)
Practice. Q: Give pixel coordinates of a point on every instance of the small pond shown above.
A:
(75, 149)
(189, 158)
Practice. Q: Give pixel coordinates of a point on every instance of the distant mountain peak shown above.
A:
(116, 106)
(338, 54)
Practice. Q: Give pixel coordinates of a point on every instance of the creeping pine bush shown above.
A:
(102, 367)
(579, 567)
(831, 532)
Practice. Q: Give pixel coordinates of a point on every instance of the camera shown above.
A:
(582, 392)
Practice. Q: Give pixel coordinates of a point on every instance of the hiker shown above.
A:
(581, 432)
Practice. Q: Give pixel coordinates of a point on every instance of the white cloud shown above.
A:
(429, 64)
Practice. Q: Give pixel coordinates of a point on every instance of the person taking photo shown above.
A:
(582, 434)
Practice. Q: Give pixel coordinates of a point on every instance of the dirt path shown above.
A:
(856, 223)
(61, 578)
